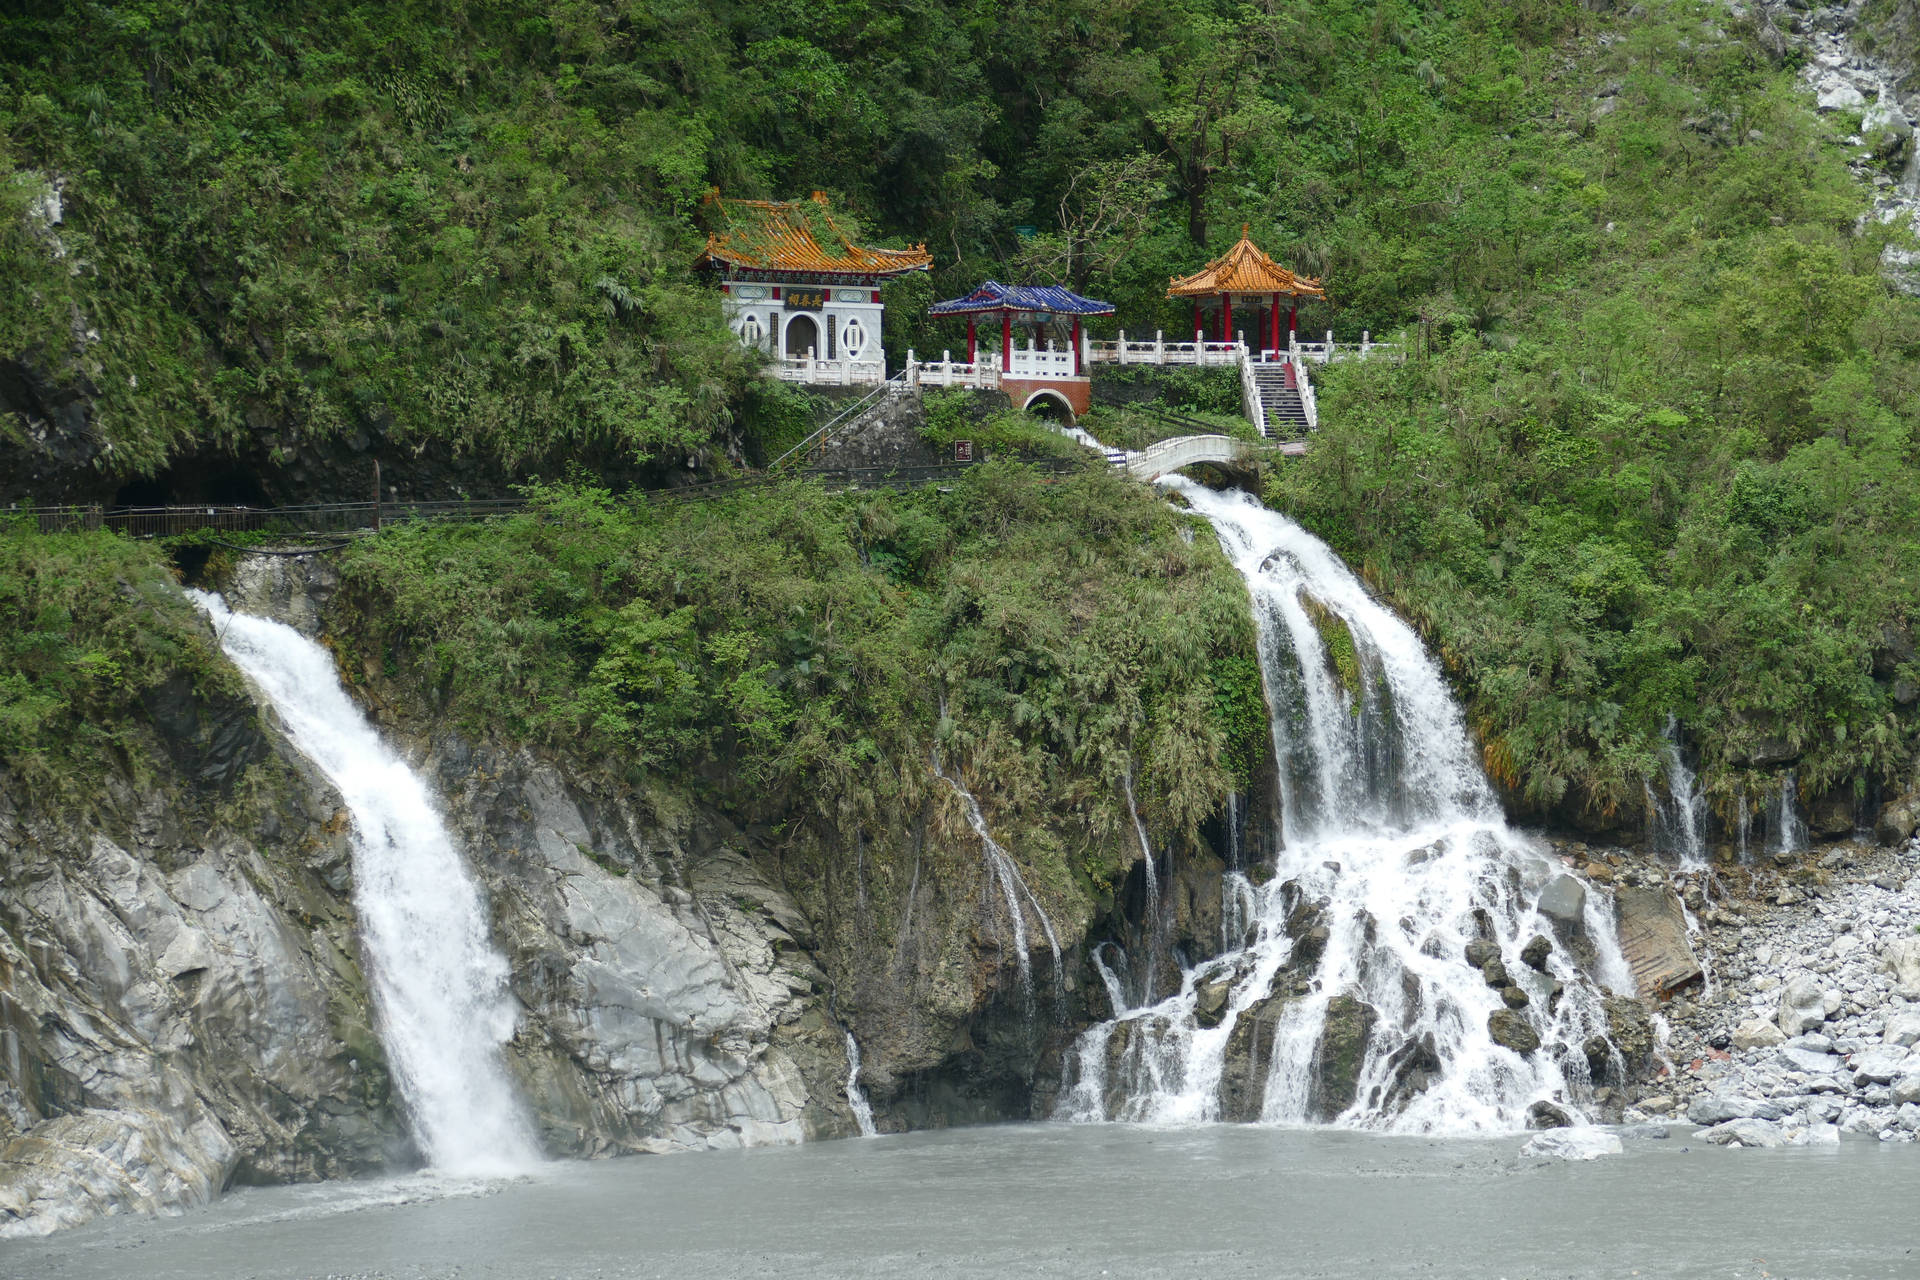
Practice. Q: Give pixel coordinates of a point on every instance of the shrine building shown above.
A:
(1260, 286)
(796, 288)
(1050, 370)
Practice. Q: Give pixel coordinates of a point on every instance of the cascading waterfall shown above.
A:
(439, 984)
(1353, 1002)
(1154, 914)
(856, 1096)
(1789, 829)
(1680, 820)
(1013, 888)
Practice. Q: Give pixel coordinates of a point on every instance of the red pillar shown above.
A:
(1226, 317)
(1006, 341)
(1078, 369)
(1275, 327)
(971, 347)
(1196, 318)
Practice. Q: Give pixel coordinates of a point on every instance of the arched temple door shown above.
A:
(803, 338)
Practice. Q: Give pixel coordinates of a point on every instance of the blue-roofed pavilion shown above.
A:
(1035, 303)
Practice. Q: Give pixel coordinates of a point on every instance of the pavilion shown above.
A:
(1032, 375)
(796, 287)
(1258, 282)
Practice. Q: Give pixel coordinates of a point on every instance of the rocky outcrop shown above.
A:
(180, 996)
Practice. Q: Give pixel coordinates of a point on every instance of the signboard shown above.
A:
(806, 299)
(963, 451)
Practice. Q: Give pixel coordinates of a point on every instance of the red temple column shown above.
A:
(1226, 317)
(1079, 369)
(1196, 320)
(971, 346)
(1006, 341)
(1275, 327)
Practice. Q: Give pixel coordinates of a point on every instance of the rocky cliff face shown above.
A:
(183, 1004)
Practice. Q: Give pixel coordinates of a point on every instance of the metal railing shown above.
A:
(350, 517)
(889, 390)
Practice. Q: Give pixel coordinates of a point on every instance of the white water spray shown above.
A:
(856, 1096)
(1679, 821)
(1789, 829)
(1396, 846)
(439, 985)
(1013, 888)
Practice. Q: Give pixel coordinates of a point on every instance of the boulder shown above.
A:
(1544, 1115)
(1511, 1030)
(1811, 1061)
(1495, 973)
(1885, 130)
(1757, 1033)
(1803, 1005)
(1535, 953)
(1902, 1029)
(1341, 1053)
(1210, 999)
(1745, 1133)
(1584, 1143)
(1652, 925)
(1907, 1089)
(1631, 1029)
(1711, 1110)
(1564, 902)
(1480, 951)
(1515, 997)
(1901, 958)
(1899, 819)
(1838, 94)
(1883, 1064)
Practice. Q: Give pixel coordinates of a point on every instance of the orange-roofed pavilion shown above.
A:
(1245, 272)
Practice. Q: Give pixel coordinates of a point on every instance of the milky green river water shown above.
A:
(1056, 1200)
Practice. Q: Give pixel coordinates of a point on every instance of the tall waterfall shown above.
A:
(439, 984)
(1678, 822)
(1403, 921)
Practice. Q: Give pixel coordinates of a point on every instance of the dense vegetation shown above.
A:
(1674, 476)
(1652, 456)
(787, 653)
(95, 626)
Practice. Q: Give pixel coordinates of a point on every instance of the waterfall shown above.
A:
(1154, 914)
(856, 1096)
(1013, 887)
(1742, 825)
(1350, 997)
(1679, 822)
(1789, 830)
(439, 984)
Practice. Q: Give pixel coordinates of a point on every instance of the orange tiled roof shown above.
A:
(786, 235)
(1244, 269)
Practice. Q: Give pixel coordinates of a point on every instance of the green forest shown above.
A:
(1651, 454)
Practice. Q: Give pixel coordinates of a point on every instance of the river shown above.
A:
(1060, 1200)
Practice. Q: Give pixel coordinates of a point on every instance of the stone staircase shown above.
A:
(1280, 398)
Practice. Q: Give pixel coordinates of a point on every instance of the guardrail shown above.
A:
(351, 517)
(829, 373)
(1160, 351)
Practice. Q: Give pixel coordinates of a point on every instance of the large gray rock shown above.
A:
(1907, 1089)
(1707, 1109)
(1883, 1064)
(1564, 902)
(1757, 1033)
(1511, 1030)
(1583, 1143)
(1901, 958)
(1745, 1133)
(1902, 1029)
(1802, 1005)
(1813, 1061)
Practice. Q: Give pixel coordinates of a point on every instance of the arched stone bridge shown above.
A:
(1157, 459)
